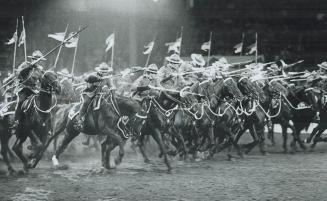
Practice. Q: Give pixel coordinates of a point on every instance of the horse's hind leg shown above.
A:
(70, 135)
(4, 138)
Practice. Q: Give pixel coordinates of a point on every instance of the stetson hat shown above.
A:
(103, 68)
(174, 58)
(323, 65)
(37, 54)
(152, 68)
(198, 59)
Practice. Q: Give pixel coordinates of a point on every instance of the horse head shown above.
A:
(247, 88)
(276, 88)
(50, 82)
(230, 88)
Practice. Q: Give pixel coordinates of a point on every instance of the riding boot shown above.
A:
(81, 117)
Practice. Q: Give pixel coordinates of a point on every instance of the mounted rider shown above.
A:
(168, 74)
(98, 82)
(29, 75)
(140, 87)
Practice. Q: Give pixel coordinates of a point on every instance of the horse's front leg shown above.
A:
(18, 149)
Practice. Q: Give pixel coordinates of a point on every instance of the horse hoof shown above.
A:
(117, 162)
(21, 172)
(169, 171)
(147, 161)
(12, 172)
(308, 141)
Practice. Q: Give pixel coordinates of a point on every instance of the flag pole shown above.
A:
(15, 48)
(73, 67)
(149, 55)
(209, 51)
(25, 52)
(112, 52)
(256, 48)
(242, 44)
(180, 48)
(57, 57)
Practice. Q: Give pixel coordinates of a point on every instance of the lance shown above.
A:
(56, 61)
(15, 48)
(180, 47)
(209, 51)
(58, 46)
(149, 55)
(112, 52)
(74, 59)
(173, 90)
(25, 52)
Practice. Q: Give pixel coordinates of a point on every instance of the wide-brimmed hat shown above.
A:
(174, 58)
(103, 68)
(152, 68)
(37, 54)
(323, 65)
(64, 72)
(198, 59)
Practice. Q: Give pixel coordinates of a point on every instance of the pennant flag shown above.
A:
(58, 36)
(110, 41)
(206, 46)
(149, 48)
(175, 46)
(72, 42)
(13, 39)
(238, 48)
(22, 38)
(253, 48)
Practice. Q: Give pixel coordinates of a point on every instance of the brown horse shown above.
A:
(36, 121)
(105, 121)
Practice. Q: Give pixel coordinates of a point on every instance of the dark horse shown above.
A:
(35, 123)
(253, 116)
(105, 121)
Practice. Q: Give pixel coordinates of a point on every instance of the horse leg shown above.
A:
(271, 134)
(141, 146)
(298, 139)
(284, 133)
(180, 138)
(255, 137)
(157, 137)
(117, 139)
(18, 149)
(104, 156)
(313, 133)
(70, 135)
(4, 138)
(317, 138)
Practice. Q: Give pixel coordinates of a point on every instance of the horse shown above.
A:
(158, 115)
(105, 121)
(222, 94)
(319, 104)
(36, 121)
(253, 117)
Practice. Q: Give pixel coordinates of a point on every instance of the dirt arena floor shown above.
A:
(277, 176)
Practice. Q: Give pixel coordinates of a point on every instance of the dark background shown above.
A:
(291, 30)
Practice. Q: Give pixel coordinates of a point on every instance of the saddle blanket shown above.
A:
(73, 111)
(7, 108)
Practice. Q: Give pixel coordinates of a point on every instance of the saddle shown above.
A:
(74, 110)
(26, 105)
(7, 108)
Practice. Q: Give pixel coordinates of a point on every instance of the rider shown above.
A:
(141, 84)
(168, 74)
(99, 81)
(29, 75)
